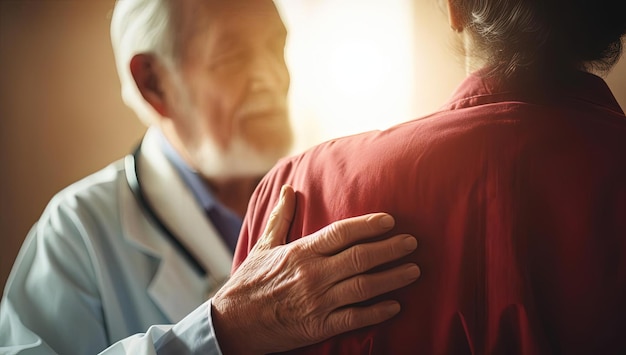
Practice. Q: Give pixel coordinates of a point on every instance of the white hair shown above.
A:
(141, 26)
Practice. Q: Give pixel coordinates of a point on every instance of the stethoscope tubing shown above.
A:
(131, 171)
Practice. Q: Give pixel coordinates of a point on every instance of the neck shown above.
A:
(473, 62)
(234, 193)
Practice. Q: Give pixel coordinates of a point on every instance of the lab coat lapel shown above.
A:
(173, 274)
(176, 287)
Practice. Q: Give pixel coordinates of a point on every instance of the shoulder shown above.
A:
(61, 239)
(90, 201)
(372, 147)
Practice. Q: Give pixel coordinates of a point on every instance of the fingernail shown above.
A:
(392, 308)
(409, 243)
(413, 272)
(386, 222)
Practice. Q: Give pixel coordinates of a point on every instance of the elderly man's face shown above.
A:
(230, 99)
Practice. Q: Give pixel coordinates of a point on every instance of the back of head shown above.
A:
(141, 26)
(545, 35)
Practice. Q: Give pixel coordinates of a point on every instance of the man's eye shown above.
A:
(229, 62)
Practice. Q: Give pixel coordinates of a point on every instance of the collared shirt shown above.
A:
(227, 223)
(516, 193)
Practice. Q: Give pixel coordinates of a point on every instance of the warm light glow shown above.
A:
(352, 66)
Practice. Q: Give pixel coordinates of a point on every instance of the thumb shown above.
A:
(279, 221)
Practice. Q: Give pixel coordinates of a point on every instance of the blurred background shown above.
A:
(356, 65)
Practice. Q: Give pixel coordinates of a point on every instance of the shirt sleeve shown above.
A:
(192, 335)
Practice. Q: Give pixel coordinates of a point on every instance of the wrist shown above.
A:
(230, 334)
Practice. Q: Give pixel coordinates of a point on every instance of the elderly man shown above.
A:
(124, 260)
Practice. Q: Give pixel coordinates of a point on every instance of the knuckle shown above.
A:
(336, 231)
(359, 258)
(316, 330)
(292, 254)
(273, 218)
(270, 225)
(304, 275)
(307, 276)
(347, 321)
(393, 248)
(361, 289)
(387, 251)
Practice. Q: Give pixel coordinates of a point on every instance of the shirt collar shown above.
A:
(478, 89)
(227, 222)
(192, 179)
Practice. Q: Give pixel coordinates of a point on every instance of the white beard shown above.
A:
(238, 160)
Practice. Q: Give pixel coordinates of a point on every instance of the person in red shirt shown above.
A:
(515, 189)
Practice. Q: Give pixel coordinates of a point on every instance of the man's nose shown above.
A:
(269, 72)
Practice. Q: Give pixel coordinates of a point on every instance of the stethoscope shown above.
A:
(132, 177)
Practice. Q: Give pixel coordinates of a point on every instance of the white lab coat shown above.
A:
(94, 272)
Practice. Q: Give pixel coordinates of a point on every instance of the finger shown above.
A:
(342, 234)
(351, 318)
(362, 257)
(365, 286)
(279, 221)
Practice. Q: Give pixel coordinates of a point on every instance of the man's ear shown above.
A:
(145, 72)
(454, 16)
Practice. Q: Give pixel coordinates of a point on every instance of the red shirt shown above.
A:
(517, 197)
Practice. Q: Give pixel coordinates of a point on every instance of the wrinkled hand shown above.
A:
(287, 296)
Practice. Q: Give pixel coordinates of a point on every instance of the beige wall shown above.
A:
(60, 116)
(60, 113)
